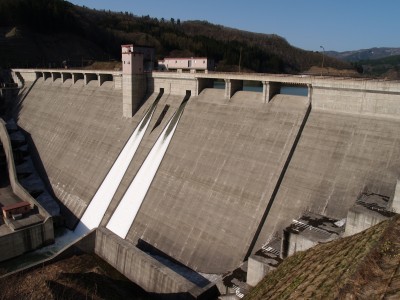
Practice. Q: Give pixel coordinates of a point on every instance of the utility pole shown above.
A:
(323, 58)
(240, 58)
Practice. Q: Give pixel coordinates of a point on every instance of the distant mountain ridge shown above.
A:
(364, 54)
(45, 33)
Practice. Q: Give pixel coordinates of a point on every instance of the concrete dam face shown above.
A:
(238, 166)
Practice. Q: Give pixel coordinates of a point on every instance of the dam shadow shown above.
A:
(41, 170)
(13, 111)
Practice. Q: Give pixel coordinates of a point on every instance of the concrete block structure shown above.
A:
(263, 261)
(369, 210)
(239, 168)
(134, 84)
(308, 231)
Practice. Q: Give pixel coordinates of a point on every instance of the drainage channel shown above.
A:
(124, 215)
(101, 200)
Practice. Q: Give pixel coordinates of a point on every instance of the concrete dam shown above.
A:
(237, 166)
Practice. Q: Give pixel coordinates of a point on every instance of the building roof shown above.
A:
(181, 58)
(15, 205)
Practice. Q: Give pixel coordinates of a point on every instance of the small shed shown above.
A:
(15, 209)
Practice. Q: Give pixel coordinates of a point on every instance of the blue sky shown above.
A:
(335, 24)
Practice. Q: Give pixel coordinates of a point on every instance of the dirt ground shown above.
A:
(79, 277)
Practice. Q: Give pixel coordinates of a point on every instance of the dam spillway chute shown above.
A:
(101, 200)
(124, 215)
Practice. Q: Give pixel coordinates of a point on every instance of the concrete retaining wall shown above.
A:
(84, 244)
(30, 238)
(142, 269)
(27, 239)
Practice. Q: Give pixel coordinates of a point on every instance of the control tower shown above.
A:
(133, 79)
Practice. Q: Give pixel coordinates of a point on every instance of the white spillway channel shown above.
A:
(123, 217)
(95, 211)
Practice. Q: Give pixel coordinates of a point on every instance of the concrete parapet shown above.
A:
(22, 75)
(361, 96)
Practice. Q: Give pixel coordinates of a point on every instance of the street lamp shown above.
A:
(323, 57)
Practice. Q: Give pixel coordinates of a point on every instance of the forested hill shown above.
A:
(45, 33)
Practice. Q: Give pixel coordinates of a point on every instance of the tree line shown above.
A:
(231, 49)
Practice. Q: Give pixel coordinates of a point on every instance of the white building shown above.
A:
(192, 63)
